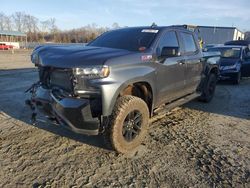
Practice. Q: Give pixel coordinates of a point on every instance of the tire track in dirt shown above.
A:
(211, 164)
(182, 134)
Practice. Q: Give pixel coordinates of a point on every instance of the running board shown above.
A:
(167, 107)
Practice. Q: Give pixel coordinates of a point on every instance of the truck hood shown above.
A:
(228, 61)
(70, 56)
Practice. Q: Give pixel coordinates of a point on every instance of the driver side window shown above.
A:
(169, 39)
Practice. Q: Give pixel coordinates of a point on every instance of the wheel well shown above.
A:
(214, 71)
(142, 90)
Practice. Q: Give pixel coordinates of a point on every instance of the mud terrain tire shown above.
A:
(128, 124)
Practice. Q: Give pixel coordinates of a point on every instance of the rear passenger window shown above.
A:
(168, 40)
(189, 43)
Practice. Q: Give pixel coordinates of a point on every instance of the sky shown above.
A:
(77, 13)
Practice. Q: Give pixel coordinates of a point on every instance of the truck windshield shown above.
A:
(227, 52)
(132, 39)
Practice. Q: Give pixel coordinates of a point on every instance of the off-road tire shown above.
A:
(113, 133)
(209, 88)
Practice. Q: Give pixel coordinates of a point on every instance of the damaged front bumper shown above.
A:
(74, 113)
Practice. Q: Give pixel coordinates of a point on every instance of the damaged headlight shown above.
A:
(93, 72)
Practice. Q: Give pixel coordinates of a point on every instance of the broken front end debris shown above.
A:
(54, 96)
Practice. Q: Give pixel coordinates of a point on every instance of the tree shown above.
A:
(18, 18)
(45, 26)
(8, 23)
(30, 24)
(52, 25)
(53, 29)
(5, 22)
(47, 30)
(2, 18)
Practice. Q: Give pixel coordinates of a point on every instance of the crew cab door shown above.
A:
(170, 77)
(245, 68)
(193, 61)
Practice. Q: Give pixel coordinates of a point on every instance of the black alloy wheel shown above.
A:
(132, 125)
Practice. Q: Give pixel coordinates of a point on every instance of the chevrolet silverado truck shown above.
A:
(116, 83)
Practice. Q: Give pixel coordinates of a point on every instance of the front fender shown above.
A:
(119, 79)
(211, 61)
(210, 64)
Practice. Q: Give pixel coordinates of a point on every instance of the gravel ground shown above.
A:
(196, 145)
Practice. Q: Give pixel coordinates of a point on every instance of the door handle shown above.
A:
(181, 62)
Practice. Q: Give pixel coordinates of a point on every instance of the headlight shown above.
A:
(229, 67)
(35, 59)
(93, 72)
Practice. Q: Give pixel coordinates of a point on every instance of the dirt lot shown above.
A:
(197, 145)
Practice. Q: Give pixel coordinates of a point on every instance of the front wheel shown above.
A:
(209, 88)
(128, 124)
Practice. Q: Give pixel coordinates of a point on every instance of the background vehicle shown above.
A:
(121, 79)
(234, 62)
(208, 46)
(3, 46)
(238, 43)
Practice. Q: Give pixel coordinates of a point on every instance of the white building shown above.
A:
(13, 38)
(219, 35)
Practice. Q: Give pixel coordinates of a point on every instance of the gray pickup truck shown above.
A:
(117, 82)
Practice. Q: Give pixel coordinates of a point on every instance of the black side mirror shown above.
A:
(247, 56)
(170, 52)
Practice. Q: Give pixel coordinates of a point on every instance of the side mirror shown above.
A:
(247, 56)
(170, 52)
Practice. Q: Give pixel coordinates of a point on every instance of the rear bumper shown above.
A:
(73, 113)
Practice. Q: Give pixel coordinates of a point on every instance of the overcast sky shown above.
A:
(76, 13)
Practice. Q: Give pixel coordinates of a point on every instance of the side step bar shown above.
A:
(169, 106)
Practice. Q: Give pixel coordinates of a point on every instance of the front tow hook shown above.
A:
(33, 109)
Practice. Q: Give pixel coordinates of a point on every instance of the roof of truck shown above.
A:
(179, 27)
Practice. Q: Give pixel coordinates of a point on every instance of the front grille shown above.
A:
(61, 79)
(56, 78)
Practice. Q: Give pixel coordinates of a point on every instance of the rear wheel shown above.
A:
(128, 125)
(209, 88)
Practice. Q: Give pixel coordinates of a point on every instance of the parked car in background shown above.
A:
(234, 62)
(207, 46)
(237, 43)
(4, 46)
